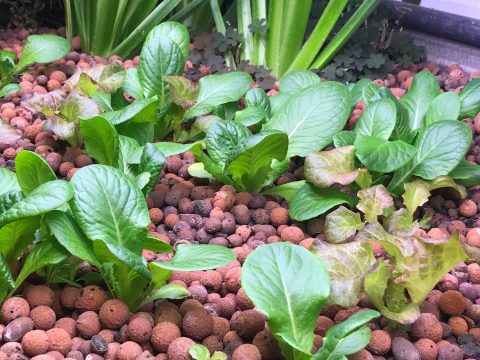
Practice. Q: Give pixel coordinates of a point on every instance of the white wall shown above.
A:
(470, 8)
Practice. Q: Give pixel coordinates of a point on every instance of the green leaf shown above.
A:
(309, 202)
(373, 201)
(43, 49)
(46, 253)
(9, 89)
(466, 173)
(470, 99)
(141, 111)
(290, 286)
(132, 84)
(16, 236)
(152, 161)
(378, 119)
(257, 97)
(197, 170)
(167, 149)
(8, 180)
(286, 191)
(157, 245)
(370, 92)
(400, 223)
(444, 107)
(312, 117)
(69, 235)
(164, 53)
(416, 194)
(108, 78)
(336, 166)
(214, 90)
(357, 90)
(109, 207)
(8, 199)
(250, 116)
(182, 91)
(395, 245)
(7, 63)
(295, 81)
(170, 291)
(198, 257)
(344, 138)
(433, 160)
(32, 171)
(77, 106)
(101, 140)
(142, 133)
(341, 224)
(252, 166)
(347, 265)
(444, 182)
(423, 90)
(46, 197)
(199, 352)
(6, 278)
(381, 155)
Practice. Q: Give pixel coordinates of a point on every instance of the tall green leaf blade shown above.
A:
(312, 117)
(470, 99)
(109, 207)
(290, 286)
(43, 49)
(101, 140)
(444, 107)
(423, 90)
(32, 171)
(378, 119)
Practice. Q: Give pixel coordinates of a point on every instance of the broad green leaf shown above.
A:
(466, 173)
(164, 53)
(7, 63)
(152, 161)
(103, 100)
(198, 257)
(352, 343)
(168, 149)
(182, 91)
(341, 224)
(444, 107)
(257, 97)
(77, 106)
(381, 155)
(199, 352)
(202, 124)
(470, 99)
(286, 191)
(444, 182)
(423, 90)
(309, 202)
(32, 171)
(250, 116)
(48, 252)
(16, 236)
(9, 89)
(344, 138)
(142, 133)
(440, 148)
(8, 135)
(416, 194)
(142, 179)
(396, 246)
(336, 166)
(8, 180)
(373, 201)
(357, 90)
(252, 166)
(46, 197)
(378, 119)
(370, 92)
(85, 86)
(132, 84)
(278, 101)
(400, 223)
(108, 78)
(312, 117)
(214, 90)
(364, 178)
(109, 207)
(43, 49)
(8, 199)
(6, 278)
(295, 81)
(290, 286)
(141, 111)
(197, 170)
(347, 265)
(223, 141)
(127, 148)
(157, 245)
(170, 291)
(101, 140)
(68, 234)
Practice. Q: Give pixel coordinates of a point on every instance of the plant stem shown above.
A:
(345, 33)
(244, 15)
(259, 11)
(274, 33)
(220, 25)
(322, 29)
(68, 19)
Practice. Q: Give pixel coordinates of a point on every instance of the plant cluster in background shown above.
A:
(24, 14)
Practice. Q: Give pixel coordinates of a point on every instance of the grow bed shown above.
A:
(62, 320)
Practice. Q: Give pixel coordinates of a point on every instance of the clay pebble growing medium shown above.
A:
(73, 323)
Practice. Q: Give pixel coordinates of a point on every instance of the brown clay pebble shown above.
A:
(267, 345)
(91, 298)
(361, 355)
(427, 348)
(113, 314)
(197, 324)
(68, 324)
(452, 302)
(212, 280)
(458, 325)
(163, 334)
(292, 234)
(427, 326)
(43, 317)
(68, 296)
(213, 343)
(279, 216)
(246, 352)
(39, 295)
(380, 342)
(59, 340)
(233, 280)
(16, 329)
(14, 308)
(139, 330)
(178, 349)
(450, 352)
(189, 305)
(128, 351)
(88, 324)
(35, 342)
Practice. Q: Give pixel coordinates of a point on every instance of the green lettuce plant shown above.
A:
(290, 286)
(200, 352)
(37, 49)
